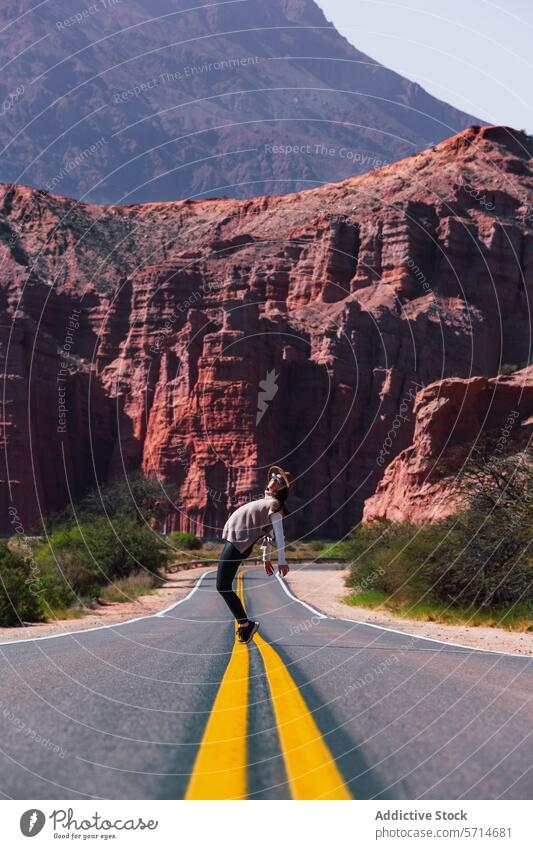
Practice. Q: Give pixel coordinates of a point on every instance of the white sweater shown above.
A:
(266, 546)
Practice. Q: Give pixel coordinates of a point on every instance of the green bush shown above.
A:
(488, 559)
(20, 598)
(480, 558)
(489, 548)
(78, 560)
(469, 560)
(382, 558)
(507, 369)
(183, 539)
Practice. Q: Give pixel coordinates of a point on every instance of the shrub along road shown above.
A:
(168, 706)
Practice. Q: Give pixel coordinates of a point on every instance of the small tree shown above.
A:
(184, 539)
(490, 547)
(491, 479)
(79, 559)
(144, 499)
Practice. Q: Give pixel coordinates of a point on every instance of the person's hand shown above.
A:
(269, 569)
(283, 569)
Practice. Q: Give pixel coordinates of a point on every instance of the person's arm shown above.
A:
(277, 524)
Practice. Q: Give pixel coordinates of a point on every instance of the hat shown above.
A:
(287, 477)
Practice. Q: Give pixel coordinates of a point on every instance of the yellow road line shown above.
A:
(220, 769)
(311, 768)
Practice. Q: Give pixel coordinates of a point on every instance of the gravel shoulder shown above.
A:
(324, 589)
(175, 588)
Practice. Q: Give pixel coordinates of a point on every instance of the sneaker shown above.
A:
(246, 632)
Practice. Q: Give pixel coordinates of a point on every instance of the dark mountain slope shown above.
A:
(140, 100)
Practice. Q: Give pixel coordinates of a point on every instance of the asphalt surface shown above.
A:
(121, 712)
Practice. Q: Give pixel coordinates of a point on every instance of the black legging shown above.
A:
(230, 560)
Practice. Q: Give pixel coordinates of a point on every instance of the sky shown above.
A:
(474, 54)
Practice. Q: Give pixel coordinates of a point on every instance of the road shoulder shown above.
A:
(324, 588)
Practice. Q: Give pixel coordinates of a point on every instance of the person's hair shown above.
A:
(282, 496)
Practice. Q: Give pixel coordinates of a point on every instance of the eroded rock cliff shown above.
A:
(453, 416)
(216, 337)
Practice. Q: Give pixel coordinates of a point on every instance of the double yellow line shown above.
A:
(220, 769)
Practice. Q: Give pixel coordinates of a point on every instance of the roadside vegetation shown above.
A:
(101, 551)
(475, 567)
(185, 540)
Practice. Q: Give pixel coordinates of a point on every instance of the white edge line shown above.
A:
(114, 624)
(434, 639)
(402, 633)
(181, 600)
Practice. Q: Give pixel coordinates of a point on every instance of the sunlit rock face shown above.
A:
(205, 340)
(453, 416)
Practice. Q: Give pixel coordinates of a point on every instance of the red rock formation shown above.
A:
(326, 309)
(452, 416)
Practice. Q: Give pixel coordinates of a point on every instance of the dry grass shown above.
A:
(130, 588)
(517, 618)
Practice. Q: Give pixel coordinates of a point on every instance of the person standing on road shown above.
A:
(248, 524)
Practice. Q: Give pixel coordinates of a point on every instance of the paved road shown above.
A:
(316, 708)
